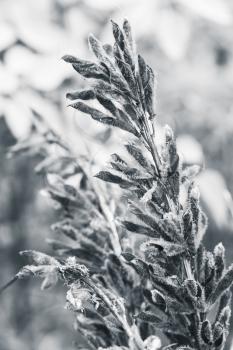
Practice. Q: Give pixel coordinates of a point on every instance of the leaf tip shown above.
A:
(69, 59)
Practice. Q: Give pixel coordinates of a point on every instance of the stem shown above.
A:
(8, 284)
(186, 262)
(188, 269)
(155, 156)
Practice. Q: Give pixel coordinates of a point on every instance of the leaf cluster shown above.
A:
(148, 271)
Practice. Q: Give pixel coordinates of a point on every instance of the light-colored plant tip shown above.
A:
(147, 271)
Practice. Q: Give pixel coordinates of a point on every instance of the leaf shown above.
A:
(147, 80)
(177, 307)
(39, 258)
(109, 177)
(167, 284)
(224, 316)
(206, 332)
(189, 235)
(118, 159)
(149, 317)
(137, 154)
(108, 104)
(66, 228)
(150, 93)
(115, 275)
(128, 256)
(70, 59)
(126, 70)
(155, 298)
(224, 301)
(128, 34)
(99, 51)
(143, 71)
(118, 35)
(219, 257)
(125, 126)
(141, 267)
(111, 91)
(87, 69)
(191, 287)
(104, 118)
(146, 218)
(94, 113)
(169, 248)
(140, 229)
(35, 271)
(122, 43)
(82, 95)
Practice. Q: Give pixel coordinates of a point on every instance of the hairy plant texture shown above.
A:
(133, 266)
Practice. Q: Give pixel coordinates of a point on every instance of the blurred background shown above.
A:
(190, 46)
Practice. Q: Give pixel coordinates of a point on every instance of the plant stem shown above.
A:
(8, 284)
(188, 269)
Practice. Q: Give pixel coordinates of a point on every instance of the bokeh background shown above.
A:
(190, 46)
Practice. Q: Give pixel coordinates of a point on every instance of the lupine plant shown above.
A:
(132, 260)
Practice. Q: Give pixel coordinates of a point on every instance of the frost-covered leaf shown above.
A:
(82, 95)
(87, 69)
(136, 228)
(137, 154)
(39, 258)
(109, 177)
(169, 248)
(148, 317)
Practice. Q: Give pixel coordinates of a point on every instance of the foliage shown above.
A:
(133, 263)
